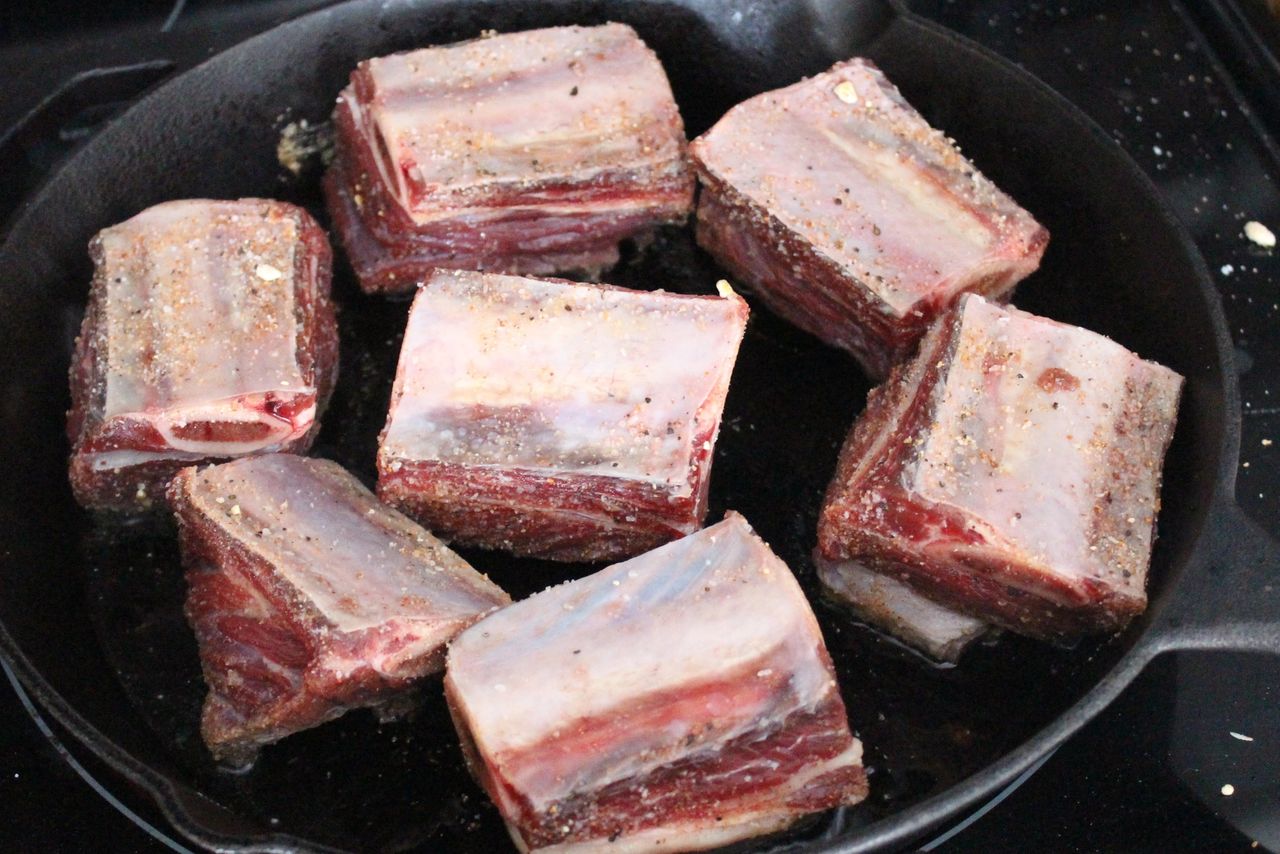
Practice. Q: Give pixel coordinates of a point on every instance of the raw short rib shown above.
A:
(209, 335)
(1011, 472)
(677, 701)
(308, 597)
(532, 152)
(556, 419)
(852, 218)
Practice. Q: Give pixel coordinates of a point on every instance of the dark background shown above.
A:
(1187, 89)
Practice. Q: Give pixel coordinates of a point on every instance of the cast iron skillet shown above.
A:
(90, 612)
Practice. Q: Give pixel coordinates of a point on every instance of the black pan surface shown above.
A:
(90, 611)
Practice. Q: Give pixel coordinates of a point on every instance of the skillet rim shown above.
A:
(176, 799)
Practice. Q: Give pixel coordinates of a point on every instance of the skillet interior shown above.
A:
(95, 609)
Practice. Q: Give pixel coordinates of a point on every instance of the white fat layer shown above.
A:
(553, 376)
(186, 280)
(116, 460)
(896, 608)
(687, 613)
(1023, 430)
(360, 564)
(459, 117)
(867, 182)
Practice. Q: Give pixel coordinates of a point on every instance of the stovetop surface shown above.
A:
(1177, 85)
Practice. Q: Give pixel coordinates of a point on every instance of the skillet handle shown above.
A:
(1230, 599)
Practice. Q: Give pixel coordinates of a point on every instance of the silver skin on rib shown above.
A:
(675, 701)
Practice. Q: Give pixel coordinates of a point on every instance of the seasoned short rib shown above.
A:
(531, 152)
(309, 598)
(1011, 472)
(677, 701)
(209, 334)
(852, 218)
(556, 419)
